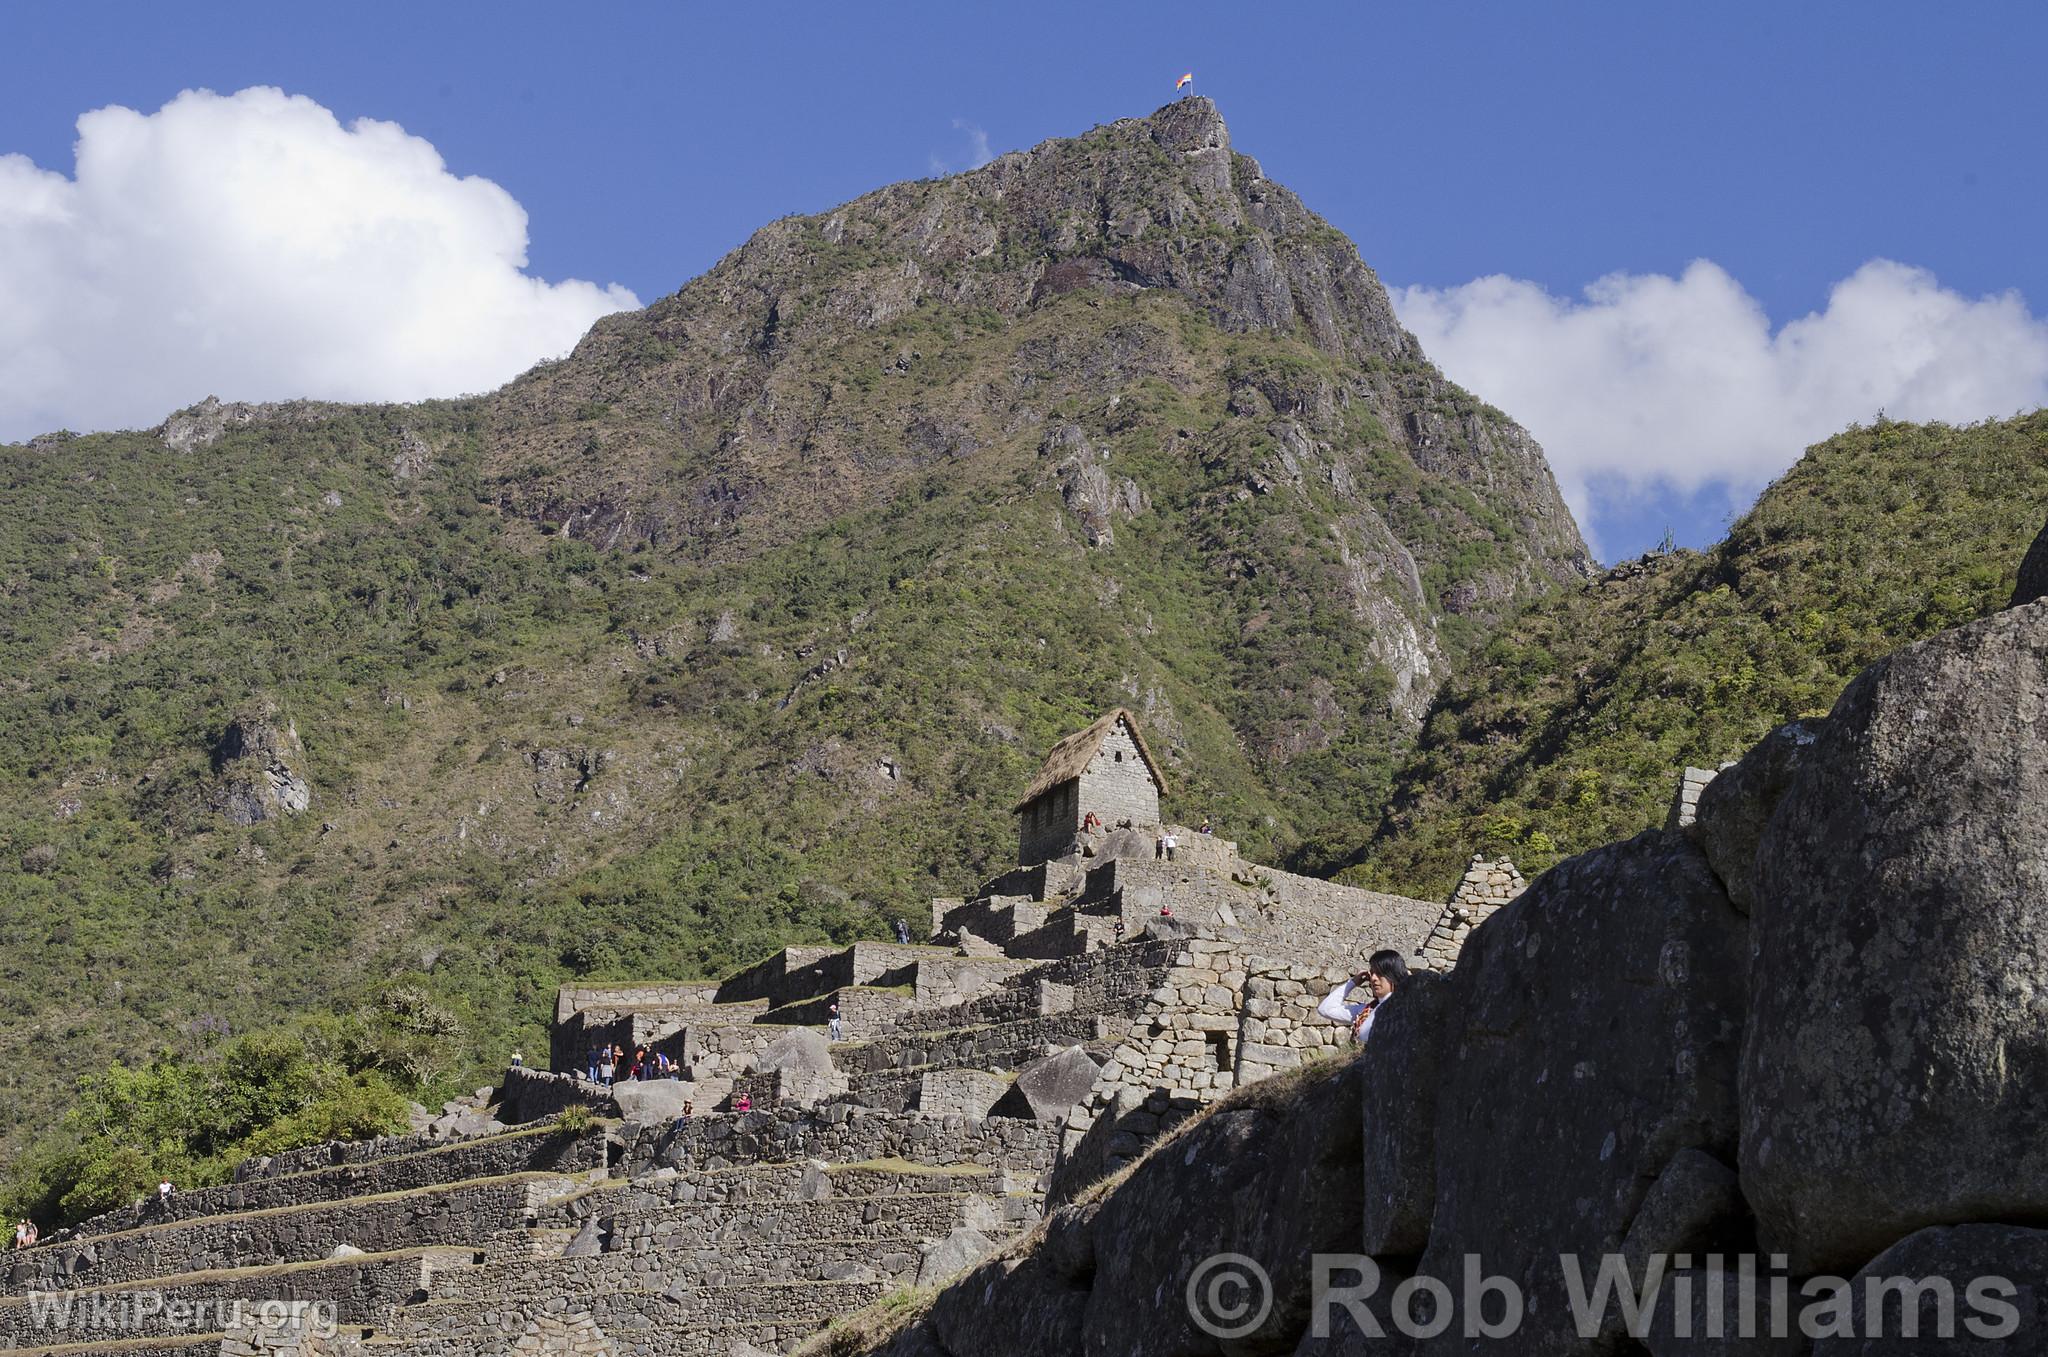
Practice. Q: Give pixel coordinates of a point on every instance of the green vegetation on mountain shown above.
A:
(1567, 729)
(740, 626)
(192, 1120)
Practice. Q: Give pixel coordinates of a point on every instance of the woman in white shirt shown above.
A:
(1384, 973)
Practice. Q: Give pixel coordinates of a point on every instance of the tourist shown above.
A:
(689, 1110)
(163, 1192)
(1165, 910)
(837, 1028)
(902, 933)
(1091, 823)
(1164, 848)
(597, 1061)
(24, 1234)
(1384, 973)
(742, 1103)
(1206, 829)
(517, 1060)
(607, 1068)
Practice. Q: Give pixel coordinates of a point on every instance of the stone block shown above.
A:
(1047, 1089)
(1636, 938)
(1898, 1022)
(1401, 1068)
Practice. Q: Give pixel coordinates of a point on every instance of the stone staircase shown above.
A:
(1051, 1023)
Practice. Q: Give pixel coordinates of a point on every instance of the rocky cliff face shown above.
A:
(819, 368)
(1847, 1073)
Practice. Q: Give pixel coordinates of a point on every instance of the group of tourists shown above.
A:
(610, 1064)
(26, 1234)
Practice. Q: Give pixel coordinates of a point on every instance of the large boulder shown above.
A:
(2033, 581)
(2005, 1314)
(651, 1102)
(1270, 1174)
(1594, 1036)
(1400, 1068)
(957, 1252)
(1895, 1070)
(800, 1050)
(1047, 1088)
(1006, 1308)
(1736, 806)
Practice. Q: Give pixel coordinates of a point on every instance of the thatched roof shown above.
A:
(1071, 756)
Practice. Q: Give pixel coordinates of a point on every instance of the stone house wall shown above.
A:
(1486, 887)
(1046, 826)
(1117, 783)
(1222, 1016)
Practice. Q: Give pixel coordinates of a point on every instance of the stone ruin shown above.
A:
(1052, 1025)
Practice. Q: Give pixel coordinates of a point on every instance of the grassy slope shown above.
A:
(1569, 727)
(533, 759)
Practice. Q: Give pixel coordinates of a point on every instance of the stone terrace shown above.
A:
(1049, 1026)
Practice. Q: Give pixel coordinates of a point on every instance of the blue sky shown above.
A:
(1552, 145)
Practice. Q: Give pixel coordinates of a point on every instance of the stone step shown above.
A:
(730, 1263)
(524, 1150)
(1005, 1045)
(452, 1214)
(359, 1290)
(1102, 981)
(797, 1307)
(846, 1133)
(183, 1345)
(654, 1228)
(769, 1183)
(565, 1333)
(862, 1008)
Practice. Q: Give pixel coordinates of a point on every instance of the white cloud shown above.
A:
(252, 247)
(1650, 380)
(978, 152)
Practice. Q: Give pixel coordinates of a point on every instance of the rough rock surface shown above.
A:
(257, 764)
(1276, 1182)
(800, 1050)
(1959, 1255)
(1737, 805)
(1595, 1035)
(961, 1249)
(651, 1101)
(1895, 1071)
(2033, 581)
(1401, 1066)
(1271, 1175)
(1048, 1088)
(1694, 1207)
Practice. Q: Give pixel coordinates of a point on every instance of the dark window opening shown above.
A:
(1219, 1049)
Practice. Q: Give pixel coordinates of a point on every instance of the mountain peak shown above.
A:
(835, 357)
(1190, 124)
